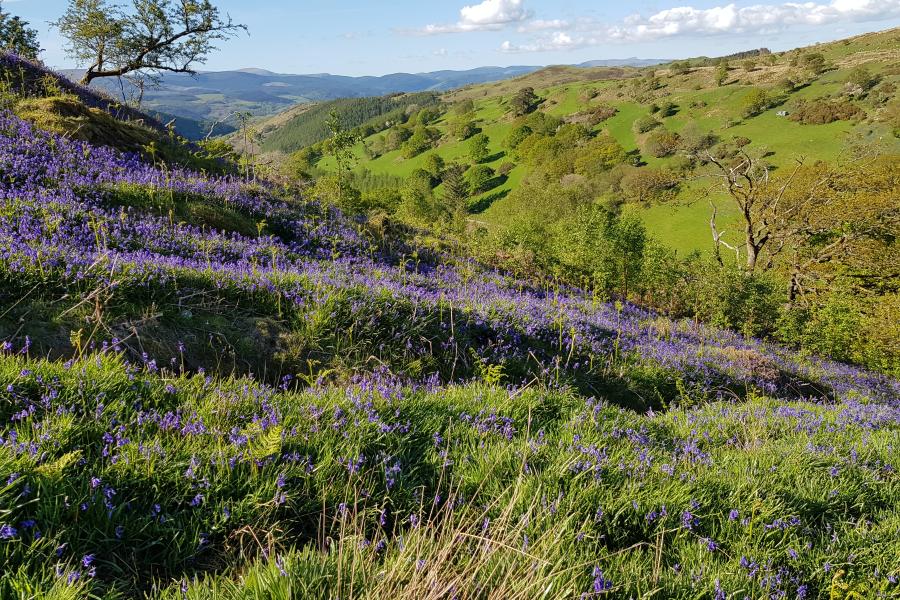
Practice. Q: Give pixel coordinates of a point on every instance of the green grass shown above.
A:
(682, 224)
(229, 490)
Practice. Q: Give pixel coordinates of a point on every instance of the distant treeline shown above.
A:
(747, 54)
(371, 114)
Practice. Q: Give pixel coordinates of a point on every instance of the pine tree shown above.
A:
(456, 195)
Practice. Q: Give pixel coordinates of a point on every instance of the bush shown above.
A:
(727, 297)
(820, 112)
(662, 143)
(861, 79)
(645, 124)
(505, 168)
(479, 178)
(645, 184)
(756, 101)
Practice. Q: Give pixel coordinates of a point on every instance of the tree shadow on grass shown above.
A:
(484, 202)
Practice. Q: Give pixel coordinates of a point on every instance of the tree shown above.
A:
(756, 101)
(680, 68)
(17, 37)
(662, 143)
(434, 165)
(721, 74)
(812, 216)
(524, 102)
(596, 243)
(517, 136)
(456, 195)
(814, 62)
(146, 39)
(646, 185)
(422, 139)
(860, 78)
(479, 178)
(479, 148)
(340, 146)
(464, 108)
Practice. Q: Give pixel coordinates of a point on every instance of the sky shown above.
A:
(375, 37)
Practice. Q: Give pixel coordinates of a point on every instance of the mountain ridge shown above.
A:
(210, 96)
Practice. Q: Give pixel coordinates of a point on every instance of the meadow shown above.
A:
(214, 389)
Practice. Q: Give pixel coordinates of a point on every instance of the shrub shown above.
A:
(645, 124)
(479, 178)
(479, 148)
(662, 143)
(646, 184)
(820, 112)
(505, 168)
(861, 79)
(756, 101)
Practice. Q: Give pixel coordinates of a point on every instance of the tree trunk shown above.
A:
(752, 256)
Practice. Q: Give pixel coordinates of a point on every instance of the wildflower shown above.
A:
(197, 500)
(733, 515)
(601, 584)
(87, 560)
(7, 532)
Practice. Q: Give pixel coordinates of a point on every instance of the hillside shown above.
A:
(218, 387)
(694, 92)
(54, 103)
(211, 96)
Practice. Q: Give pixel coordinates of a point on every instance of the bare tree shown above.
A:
(811, 219)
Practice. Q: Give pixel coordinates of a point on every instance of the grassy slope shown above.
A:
(682, 224)
(526, 495)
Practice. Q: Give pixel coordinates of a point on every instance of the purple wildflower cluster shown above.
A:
(63, 218)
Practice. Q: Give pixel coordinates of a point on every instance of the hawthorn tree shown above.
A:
(144, 38)
(17, 37)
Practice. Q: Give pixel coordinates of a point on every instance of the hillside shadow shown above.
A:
(485, 202)
(493, 157)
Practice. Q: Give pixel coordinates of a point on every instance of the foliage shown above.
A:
(861, 79)
(758, 100)
(820, 112)
(154, 36)
(422, 139)
(525, 101)
(649, 185)
(662, 143)
(479, 148)
(721, 75)
(479, 178)
(17, 37)
(645, 124)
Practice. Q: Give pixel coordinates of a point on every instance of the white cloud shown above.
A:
(542, 25)
(687, 20)
(486, 16)
(759, 18)
(559, 40)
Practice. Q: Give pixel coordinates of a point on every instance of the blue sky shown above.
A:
(377, 37)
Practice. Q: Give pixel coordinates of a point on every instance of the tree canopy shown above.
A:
(17, 37)
(144, 39)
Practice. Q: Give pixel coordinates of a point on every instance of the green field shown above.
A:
(683, 223)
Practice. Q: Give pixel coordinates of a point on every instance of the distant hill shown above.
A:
(625, 62)
(210, 96)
